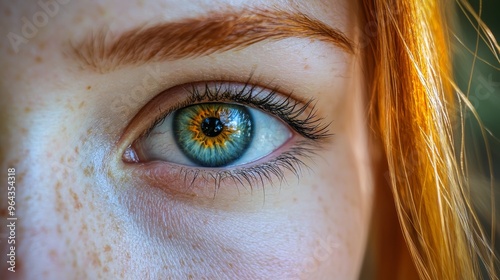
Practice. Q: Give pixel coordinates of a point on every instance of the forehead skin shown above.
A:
(82, 216)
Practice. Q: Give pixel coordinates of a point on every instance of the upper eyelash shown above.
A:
(287, 109)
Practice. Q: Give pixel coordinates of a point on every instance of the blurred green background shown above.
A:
(484, 91)
(484, 94)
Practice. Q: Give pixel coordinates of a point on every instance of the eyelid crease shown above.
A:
(216, 32)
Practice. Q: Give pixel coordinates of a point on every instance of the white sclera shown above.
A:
(269, 134)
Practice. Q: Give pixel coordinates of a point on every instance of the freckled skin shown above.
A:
(82, 216)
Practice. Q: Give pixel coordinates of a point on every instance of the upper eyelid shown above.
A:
(138, 127)
(288, 109)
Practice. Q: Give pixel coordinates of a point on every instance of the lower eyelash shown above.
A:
(259, 175)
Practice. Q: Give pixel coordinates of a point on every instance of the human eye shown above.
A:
(220, 132)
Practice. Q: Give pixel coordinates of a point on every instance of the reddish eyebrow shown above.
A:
(216, 32)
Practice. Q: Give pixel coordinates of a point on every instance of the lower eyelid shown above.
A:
(184, 181)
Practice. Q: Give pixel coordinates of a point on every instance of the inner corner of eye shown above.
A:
(130, 155)
(212, 135)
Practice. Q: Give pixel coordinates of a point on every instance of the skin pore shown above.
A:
(85, 213)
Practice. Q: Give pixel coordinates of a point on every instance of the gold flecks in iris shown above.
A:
(220, 140)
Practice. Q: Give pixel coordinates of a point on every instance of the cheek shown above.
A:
(267, 241)
(66, 219)
(304, 231)
(341, 212)
(344, 186)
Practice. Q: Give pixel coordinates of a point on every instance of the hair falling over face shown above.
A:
(412, 112)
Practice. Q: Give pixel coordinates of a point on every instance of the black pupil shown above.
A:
(212, 127)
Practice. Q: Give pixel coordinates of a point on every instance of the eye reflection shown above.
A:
(214, 135)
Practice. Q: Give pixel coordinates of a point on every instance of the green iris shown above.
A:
(213, 134)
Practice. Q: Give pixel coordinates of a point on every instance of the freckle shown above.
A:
(107, 248)
(88, 171)
(7, 12)
(89, 87)
(59, 200)
(24, 131)
(77, 150)
(27, 109)
(105, 269)
(41, 46)
(95, 260)
(89, 131)
(83, 231)
(181, 262)
(76, 201)
(53, 255)
(78, 19)
(307, 67)
(80, 106)
(101, 11)
(110, 175)
(38, 59)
